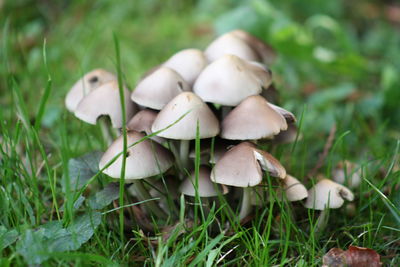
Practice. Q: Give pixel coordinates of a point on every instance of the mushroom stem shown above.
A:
(105, 130)
(245, 208)
(184, 154)
(322, 221)
(144, 195)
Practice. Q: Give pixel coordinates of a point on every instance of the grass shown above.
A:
(332, 70)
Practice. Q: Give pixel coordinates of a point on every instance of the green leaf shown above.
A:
(7, 237)
(331, 95)
(104, 197)
(37, 245)
(82, 169)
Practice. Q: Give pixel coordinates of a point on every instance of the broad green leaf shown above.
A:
(104, 197)
(7, 237)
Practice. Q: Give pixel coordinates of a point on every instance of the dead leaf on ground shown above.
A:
(353, 257)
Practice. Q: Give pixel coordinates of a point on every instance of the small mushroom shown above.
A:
(89, 82)
(327, 194)
(241, 167)
(230, 44)
(293, 189)
(189, 63)
(205, 187)
(182, 115)
(229, 80)
(143, 159)
(347, 173)
(254, 118)
(158, 88)
(105, 101)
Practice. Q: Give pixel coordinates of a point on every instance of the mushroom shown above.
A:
(288, 136)
(204, 186)
(254, 118)
(189, 63)
(264, 51)
(230, 43)
(89, 82)
(179, 120)
(158, 88)
(293, 189)
(144, 159)
(229, 80)
(241, 167)
(347, 173)
(142, 122)
(327, 194)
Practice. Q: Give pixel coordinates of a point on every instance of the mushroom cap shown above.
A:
(327, 194)
(252, 119)
(241, 166)
(144, 159)
(289, 116)
(85, 85)
(105, 100)
(158, 88)
(293, 189)
(229, 80)
(228, 43)
(264, 51)
(189, 63)
(193, 109)
(347, 170)
(142, 122)
(206, 188)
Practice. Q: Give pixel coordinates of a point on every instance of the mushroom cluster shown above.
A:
(224, 97)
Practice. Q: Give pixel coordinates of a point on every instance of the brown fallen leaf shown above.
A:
(353, 257)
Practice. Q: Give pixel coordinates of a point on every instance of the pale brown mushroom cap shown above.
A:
(327, 194)
(158, 88)
(206, 188)
(89, 82)
(252, 119)
(287, 136)
(144, 159)
(264, 51)
(293, 189)
(228, 43)
(193, 109)
(189, 63)
(105, 100)
(347, 170)
(289, 116)
(229, 80)
(142, 122)
(241, 167)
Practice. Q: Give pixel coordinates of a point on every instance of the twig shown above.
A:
(324, 154)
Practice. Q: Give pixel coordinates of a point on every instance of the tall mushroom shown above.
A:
(143, 159)
(241, 167)
(179, 119)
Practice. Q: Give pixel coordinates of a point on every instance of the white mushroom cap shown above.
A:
(142, 122)
(185, 129)
(241, 166)
(327, 194)
(158, 88)
(229, 80)
(144, 159)
(189, 63)
(85, 85)
(252, 119)
(293, 189)
(264, 51)
(206, 188)
(230, 44)
(105, 100)
(347, 170)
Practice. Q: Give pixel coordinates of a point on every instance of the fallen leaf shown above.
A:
(353, 257)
